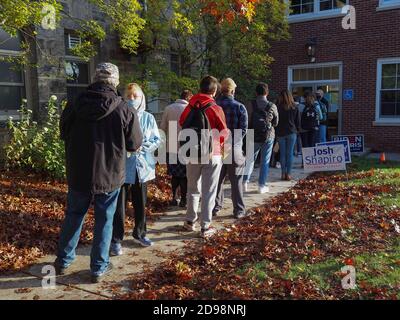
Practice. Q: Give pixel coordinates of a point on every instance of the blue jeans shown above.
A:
(266, 152)
(78, 204)
(286, 147)
(322, 133)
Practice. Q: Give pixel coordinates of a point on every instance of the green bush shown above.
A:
(36, 147)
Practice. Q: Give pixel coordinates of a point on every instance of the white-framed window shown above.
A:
(12, 77)
(388, 4)
(77, 70)
(304, 10)
(388, 91)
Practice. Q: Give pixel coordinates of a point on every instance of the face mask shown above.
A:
(135, 103)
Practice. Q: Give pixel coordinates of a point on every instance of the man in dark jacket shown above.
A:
(98, 130)
(264, 117)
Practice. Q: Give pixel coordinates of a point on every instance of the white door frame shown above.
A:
(338, 82)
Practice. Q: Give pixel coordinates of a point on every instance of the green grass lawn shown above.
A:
(375, 269)
(384, 174)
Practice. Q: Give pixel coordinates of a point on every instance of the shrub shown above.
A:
(36, 147)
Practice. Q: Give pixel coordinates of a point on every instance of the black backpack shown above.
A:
(309, 118)
(197, 120)
(261, 122)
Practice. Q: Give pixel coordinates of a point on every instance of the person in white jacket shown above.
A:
(170, 125)
(140, 169)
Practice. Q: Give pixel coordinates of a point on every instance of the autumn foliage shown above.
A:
(319, 219)
(32, 210)
(228, 11)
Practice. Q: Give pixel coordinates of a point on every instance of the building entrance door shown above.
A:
(321, 77)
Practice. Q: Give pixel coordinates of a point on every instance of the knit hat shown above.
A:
(107, 73)
(228, 85)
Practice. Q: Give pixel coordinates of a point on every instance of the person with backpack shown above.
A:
(264, 117)
(310, 120)
(237, 122)
(98, 129)
(176, 169)
(324, 106)
(140, 169)
(205, 120)
(288, 127)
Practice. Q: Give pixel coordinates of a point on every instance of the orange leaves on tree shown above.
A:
(228, 11)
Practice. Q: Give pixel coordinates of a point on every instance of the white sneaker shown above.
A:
(190, 227)
(246, 187)
(207, 233)
(278, 165)
(263, 190)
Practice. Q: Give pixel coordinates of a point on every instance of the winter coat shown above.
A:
(98, 130)
(142, 162)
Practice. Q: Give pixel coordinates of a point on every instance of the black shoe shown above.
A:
(96, 278)
(183, 204)
(174, 203)
(60, 270)
(241, 215)
(215, 213)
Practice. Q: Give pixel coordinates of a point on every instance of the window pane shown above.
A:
(311, 74)
(388, 96)
(301, 6)
(77, 72)
(390, 103)
(319, 74)
(331, 4)
(296, 75)
(303, 74)
(388, 109)
(389, 83)
(10, 73)
(327, 73)
(10, 97)
(9, 43)
(389, 70)
(295, 10)
(335, 73)
(307, 8)
(325, 5)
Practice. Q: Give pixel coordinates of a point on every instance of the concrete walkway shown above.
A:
(167, 233)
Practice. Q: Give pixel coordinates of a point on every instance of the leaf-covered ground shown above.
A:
(296, 244)
(32, 210)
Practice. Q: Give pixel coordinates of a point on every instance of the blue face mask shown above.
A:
(134, 103)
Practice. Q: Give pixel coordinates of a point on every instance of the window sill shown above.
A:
(315, 16)
(385, 7)
(383, 123)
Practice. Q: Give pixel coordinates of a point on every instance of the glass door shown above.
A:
(326, 77)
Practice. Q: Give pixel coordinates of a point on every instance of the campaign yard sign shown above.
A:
(357, 142)
(346, 145)
(324, 158)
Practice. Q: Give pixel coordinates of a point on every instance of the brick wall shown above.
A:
(377, 35)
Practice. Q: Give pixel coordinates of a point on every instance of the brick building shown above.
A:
(359, 68)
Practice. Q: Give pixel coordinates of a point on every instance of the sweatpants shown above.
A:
(202, 182)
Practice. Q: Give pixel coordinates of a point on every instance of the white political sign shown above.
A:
(324, 158)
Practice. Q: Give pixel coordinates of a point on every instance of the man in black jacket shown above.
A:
(98, 130)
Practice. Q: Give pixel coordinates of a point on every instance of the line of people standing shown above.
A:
(110, 144)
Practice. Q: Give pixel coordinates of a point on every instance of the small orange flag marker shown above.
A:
(382, 159)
